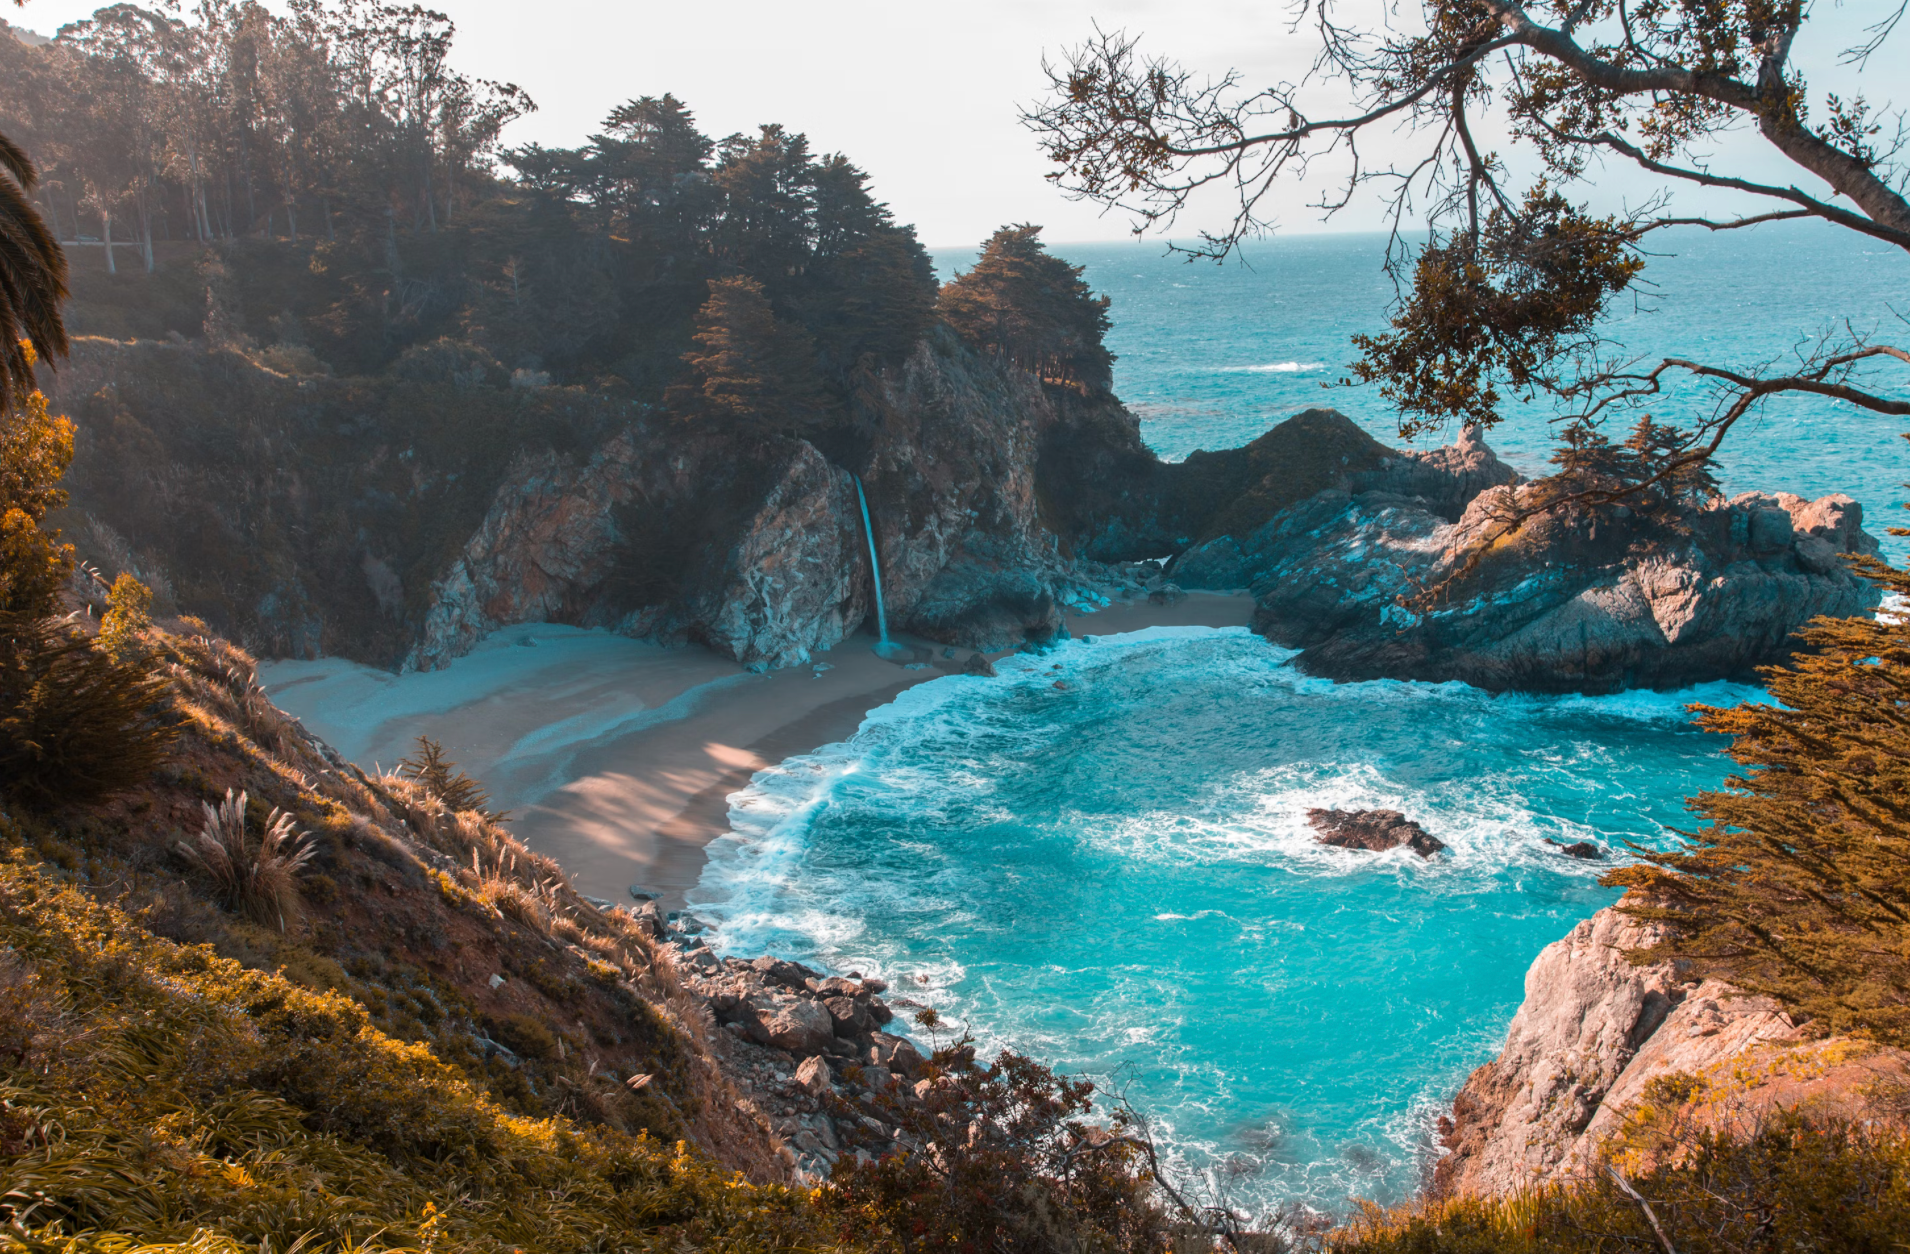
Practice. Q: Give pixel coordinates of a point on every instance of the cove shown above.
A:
(1101, 859)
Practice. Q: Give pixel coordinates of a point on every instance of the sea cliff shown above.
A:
(1612, 1061)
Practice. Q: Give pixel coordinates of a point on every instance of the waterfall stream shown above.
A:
(875, 569)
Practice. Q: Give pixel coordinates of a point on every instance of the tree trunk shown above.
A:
(328, 220)
(106, 239)
(146, 234)
(291, 218)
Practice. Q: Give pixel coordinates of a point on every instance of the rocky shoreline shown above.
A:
(808, 1052)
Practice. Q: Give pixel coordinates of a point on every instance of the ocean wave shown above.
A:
(1101, 857)
(1274, 367)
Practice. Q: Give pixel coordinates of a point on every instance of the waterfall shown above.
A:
(875, 569)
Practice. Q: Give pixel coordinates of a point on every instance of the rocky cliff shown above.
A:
(1576, 601)
(397, 521)
(1607, 1060)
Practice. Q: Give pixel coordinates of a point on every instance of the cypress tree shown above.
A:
(1799, 886)
(1033, 309)
(751, 374)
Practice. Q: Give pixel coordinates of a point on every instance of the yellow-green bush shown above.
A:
(154, 1093)
(1794, 1186)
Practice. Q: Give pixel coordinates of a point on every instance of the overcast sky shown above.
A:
(924, 94)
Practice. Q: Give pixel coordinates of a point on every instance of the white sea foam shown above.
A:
(1275, 367)
(1109, 873)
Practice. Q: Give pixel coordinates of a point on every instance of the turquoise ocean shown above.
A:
(1115, 875)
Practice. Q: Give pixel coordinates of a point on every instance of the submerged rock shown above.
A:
(1375, 830)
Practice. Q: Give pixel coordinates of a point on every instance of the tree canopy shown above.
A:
(1506, 293)
(1798, 887)
(1027, 306)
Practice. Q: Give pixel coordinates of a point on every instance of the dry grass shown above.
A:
(258, 880)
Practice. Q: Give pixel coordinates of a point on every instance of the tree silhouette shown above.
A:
(1029, 307)
(753, 375)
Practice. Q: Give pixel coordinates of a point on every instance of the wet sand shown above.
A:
(618, 758)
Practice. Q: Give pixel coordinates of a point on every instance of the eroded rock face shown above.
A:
(1569, 603)
(1573, 1086)
(569, 540)
(761, 554)
(1374, 830)
(1586, 1012)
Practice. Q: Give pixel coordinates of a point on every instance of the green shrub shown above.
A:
(75, 724)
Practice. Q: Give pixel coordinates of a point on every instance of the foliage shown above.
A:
(1008, 1163)
(1029, 307)
(242, 121)
(156, 1093)
(35, 450)
(1506, 304)
(259, 880)
(440, 776)
(129, 605)
(32, 280)
(1654, 473)
(75, 724)
(1791, 1186)
(753, 375)
(1800, 887)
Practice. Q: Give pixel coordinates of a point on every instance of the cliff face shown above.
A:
(1571, 602)
(397, 522)
(1607, 1061)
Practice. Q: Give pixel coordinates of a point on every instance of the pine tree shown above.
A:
(1033, 309)
(1799, 888)
(753, 375)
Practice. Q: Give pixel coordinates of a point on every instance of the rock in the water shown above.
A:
(1166, 594)
(1377, 830)
(1573, 601)
(1577, 849)
(978, 664)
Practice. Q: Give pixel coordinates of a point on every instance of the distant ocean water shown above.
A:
(1211, 356)
(1116, 875)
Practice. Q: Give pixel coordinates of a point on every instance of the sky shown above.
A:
(926, 95)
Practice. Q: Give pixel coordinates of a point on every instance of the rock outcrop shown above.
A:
(1373, 830)
(397, 522)
(1570, 601)
(810, 1052)
(1607, 1060)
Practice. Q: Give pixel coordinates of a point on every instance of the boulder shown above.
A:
(815, 1076)
(1375, 830)
(1166, 594)
(850, 1016)
(978, 664)
(797, 1025)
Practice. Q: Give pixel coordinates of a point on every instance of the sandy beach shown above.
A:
(617, 758)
